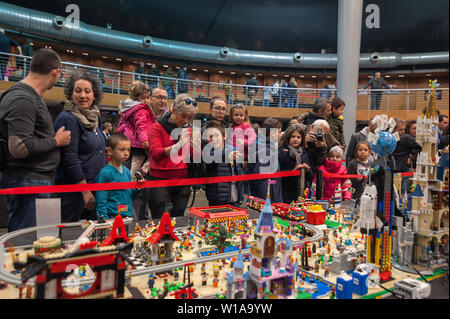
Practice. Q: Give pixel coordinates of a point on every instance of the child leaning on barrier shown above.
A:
(333, 165)
(106, 202)
(220, 160)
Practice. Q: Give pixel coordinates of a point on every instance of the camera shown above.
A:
(319, 135)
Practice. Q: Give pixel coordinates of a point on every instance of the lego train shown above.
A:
(295, 211)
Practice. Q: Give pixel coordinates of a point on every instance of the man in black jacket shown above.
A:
(251, 89)
(376, 83)
(405, 153)
(29, 144)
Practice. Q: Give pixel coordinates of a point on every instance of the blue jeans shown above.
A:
(376, 101)
(170, 92)
(291, 101)
(283, 100)
(266, 103)
(22, 208)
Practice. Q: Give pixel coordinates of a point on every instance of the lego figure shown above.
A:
(327, 271)
(332, 293)
(204, 278)
(176, 275)
(151, 281)
(316, 267)
(216, 281)
(314, 248)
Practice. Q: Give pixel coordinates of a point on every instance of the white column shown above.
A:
(348, 52)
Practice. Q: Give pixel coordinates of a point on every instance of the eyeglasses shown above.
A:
(220, 109)
(189, 101)
(161, 97)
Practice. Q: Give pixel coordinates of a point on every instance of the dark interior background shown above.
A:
(267, 25)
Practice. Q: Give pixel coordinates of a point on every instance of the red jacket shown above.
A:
(330, 183)
(161, 165)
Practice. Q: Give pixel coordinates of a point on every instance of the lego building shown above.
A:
(429, 216)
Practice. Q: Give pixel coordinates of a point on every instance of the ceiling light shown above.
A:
(286, 75)
(104, 57)
(220, 71)
(166, 66)
(118, 59)
(429, 74)
(259, 74)
(233, 73)
(314, 76)
(84, 53)
(401, 76)
(302, 76)
(247, 73)
(274, 75)
(387, 76)
(194, 69)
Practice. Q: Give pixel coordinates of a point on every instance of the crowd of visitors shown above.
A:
(155, 141)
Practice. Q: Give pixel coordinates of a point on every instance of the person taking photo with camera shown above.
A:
(316, 143)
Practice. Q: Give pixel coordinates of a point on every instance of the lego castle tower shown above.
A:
(265, 276)
(263, 252)
(430, 219)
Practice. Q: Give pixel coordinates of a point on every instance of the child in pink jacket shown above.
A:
(333, 165)
(136, 118)
(243, 133)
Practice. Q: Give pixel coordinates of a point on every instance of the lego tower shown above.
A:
(430, 223)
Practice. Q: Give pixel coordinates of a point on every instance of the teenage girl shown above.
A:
(359, 166)
(292, 156)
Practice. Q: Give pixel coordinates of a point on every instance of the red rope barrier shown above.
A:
(159, 183)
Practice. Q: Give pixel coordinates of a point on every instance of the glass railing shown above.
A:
(15, 67)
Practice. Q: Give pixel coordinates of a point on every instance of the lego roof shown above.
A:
(417, 191)
(239, 263)
(165, 228)
(265, 218)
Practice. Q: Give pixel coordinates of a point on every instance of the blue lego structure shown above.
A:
(344, 286)
(360, 279)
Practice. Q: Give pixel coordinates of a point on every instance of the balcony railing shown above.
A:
(15, 67)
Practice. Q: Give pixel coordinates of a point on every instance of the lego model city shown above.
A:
(386, 244)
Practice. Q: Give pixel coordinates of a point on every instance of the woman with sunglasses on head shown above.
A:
(168, 156)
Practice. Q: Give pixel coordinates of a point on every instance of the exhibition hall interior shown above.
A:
(224, 150)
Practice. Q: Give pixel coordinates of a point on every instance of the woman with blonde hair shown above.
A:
(168, 156)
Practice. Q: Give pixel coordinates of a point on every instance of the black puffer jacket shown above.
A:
(291, 185)
(405, 147)
(220, 193)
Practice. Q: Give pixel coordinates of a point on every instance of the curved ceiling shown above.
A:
(266, 25)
